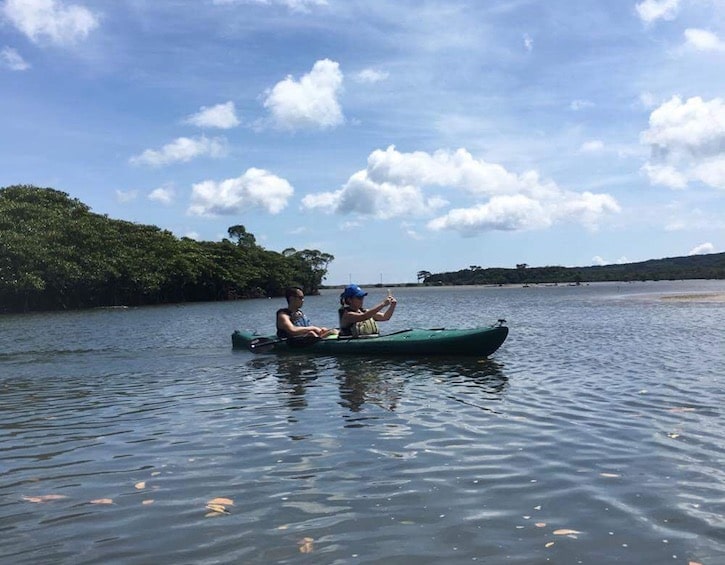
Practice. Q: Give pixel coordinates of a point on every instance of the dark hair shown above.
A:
(292, 291)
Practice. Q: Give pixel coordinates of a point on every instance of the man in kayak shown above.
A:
(292, 322)
(356, 321)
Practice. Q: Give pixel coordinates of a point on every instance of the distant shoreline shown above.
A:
(501, 285)
(704, 296)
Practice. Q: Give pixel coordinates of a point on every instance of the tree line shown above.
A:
(57, 254)
(710, 266)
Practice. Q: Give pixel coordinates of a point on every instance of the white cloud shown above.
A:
(702, 40)
(11, 59)
(256, 188)
(222, 116)
(665, 175)
(364, 196)
(528, 42)
(592, 146)
(687, 140)
(711, 171)
(60, 23)
(702, 249)
(443, 168)
(126, 196)
(394, 184)
(182, 149)
(311, 101)
(515, 212)
(371, 76)
(653, 10)
(164, 195)
(597, 260)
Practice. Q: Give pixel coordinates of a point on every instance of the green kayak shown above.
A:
(480, 342)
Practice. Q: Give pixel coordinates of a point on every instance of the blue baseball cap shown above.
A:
(353, 290)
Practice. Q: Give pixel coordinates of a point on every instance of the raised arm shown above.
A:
(385, 316)
(349, 318)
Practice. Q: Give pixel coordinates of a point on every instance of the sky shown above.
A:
(406, 136)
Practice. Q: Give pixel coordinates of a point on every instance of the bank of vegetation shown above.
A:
(710, 266)
(57, 254)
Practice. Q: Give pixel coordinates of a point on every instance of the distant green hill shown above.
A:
(710, 266)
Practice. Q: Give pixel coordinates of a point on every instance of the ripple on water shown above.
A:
(601, 417)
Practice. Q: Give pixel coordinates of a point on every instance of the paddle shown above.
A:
(261, 344)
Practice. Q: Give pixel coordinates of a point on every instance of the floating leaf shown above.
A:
(44, 498)
(218, 508)
(565, 532)
(306, 545)
(222, 501)
(140, 485)
(102, 501)
(549, 544)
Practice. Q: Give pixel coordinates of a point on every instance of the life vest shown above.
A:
(297, 318)
(358, 329)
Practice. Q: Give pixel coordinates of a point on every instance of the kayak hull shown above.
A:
(480, 342)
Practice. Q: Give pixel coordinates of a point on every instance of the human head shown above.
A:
(352, 291)
(293, 292)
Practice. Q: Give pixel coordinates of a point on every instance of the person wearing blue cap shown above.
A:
(356, 321)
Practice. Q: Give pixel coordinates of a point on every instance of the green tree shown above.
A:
(56, 253)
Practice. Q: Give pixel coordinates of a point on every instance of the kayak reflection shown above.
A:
(383, 383)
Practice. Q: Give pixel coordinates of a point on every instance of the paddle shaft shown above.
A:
(265, 342)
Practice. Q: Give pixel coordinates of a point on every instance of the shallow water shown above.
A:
(601, 414)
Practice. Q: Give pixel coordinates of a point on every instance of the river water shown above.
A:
(594, 435)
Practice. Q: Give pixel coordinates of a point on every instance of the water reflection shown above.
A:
(381, 382)
(371, 381)
(294, 374)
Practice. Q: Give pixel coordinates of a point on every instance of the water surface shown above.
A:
(600, 415)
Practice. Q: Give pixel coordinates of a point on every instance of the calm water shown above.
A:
(602, 414)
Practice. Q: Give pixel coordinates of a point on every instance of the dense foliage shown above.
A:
(710, 266)
(55, 253)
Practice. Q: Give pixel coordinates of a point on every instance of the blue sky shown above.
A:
(397, 136)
